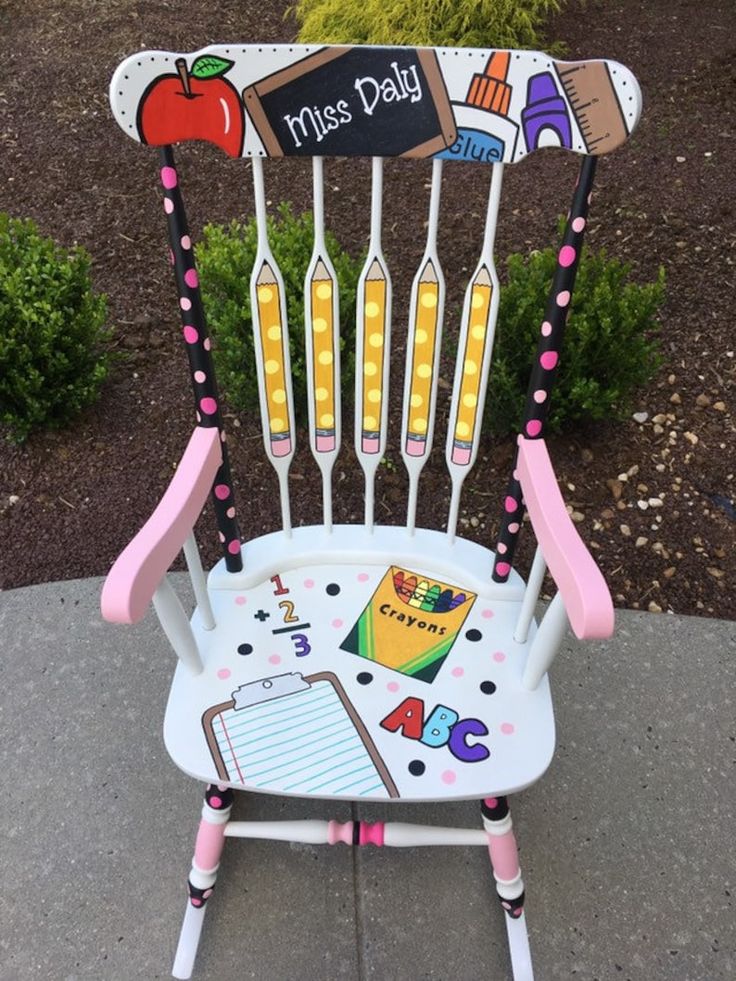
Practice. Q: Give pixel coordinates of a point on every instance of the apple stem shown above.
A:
(181, 67)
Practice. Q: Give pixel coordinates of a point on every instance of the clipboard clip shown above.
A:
(266, 689)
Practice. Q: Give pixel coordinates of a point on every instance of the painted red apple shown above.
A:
(193, 105)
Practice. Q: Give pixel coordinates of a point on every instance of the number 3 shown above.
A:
(302, 644)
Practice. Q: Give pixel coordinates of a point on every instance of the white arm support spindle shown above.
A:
(176, 626)
(199, 583)
(531, 595)
(546, 643)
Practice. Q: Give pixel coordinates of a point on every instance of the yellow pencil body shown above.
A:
(274, 372)
(323, 359)
(423, 356)
(374, 337)
(475, 344)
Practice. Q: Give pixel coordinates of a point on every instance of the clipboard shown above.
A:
(295, 734)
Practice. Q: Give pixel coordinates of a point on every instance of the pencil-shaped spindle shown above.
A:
(322, 326)
(423, 354)
(271, 343)
(544, 369)
(373, 340)
(196, 338)
(473, 364)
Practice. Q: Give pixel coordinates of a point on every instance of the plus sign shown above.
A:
(261, 615)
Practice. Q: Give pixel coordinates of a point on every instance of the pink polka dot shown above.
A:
(534, 427)
(215, 802)
(222, 491)
(499, 656)
(230, 512)
(240, 600)
(185, 304)
(487, 614)
(492, 802)
(168, 177)
(502, 549)
(206, 894)
(190, 335)
(506, 905)
(221, 536)
(191, 278)
(539, 396)
(224, 673)
(186, 242)
(509, 504)
(578, 224)
(563, 298)
(548, 360)
(363, 577)
(195, 901)
(503, 568)
(513, 527)
(207, 344)
(168, 206)
(234, 547)
(274, 659)
(337, 622)
(309, 583)
(199, 376)
(208, 406)
(449, 776)
(546, 328)
(506, 728)
(392, 686)
(566, 256)
(457, 672)
(516, 913)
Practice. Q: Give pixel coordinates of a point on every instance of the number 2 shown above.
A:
(289, 614)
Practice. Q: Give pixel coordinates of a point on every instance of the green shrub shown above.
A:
(225, 258)
(53, 355)
(608, 349)
(469, 23)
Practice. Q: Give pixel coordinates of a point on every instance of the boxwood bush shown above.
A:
(53, 352)
(609, 350)
(225, 258)
(469, 23)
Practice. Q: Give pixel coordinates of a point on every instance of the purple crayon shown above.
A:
(545, 109)
(457, 600)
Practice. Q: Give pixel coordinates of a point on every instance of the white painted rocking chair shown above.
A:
(365, 662)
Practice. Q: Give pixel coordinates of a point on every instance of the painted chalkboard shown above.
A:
(346, 101)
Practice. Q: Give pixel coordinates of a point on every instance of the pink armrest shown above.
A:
(133, 579)
(584, 591)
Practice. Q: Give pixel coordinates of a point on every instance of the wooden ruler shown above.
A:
(589, 89)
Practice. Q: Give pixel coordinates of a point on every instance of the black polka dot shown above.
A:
(473, 635)
(333, 589)
(245, 649)
(487, 687)
(417, 768)
(365, 678)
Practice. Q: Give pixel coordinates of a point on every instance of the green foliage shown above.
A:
(52, 334)
(608, 350)
(225, 258)
(468, 23)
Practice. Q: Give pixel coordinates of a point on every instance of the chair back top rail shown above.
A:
(483, 105)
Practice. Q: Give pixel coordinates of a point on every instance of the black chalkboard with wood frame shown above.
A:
(345, 101)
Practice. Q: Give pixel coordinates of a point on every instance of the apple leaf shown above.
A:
(210, 66)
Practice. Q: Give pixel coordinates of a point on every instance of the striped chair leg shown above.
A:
(207, 851)
(509, 884)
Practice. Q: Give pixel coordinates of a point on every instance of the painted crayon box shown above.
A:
(410, 623)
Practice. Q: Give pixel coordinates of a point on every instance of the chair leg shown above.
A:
(509, 884)
(216, 809)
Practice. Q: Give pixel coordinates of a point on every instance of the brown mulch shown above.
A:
(654, 499)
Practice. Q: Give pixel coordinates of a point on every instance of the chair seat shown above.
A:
(361, 666)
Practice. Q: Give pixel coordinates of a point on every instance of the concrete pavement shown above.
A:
(627, 844)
